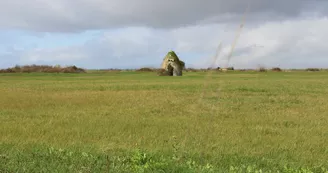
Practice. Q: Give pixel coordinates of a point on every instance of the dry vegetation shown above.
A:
(146, 69)
(160, 72)
(74, 69)
(312, 69)
(276, 69)
(262, 69)
(43, 69)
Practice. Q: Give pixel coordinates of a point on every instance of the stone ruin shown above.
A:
(172, 65)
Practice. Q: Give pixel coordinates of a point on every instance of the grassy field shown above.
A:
(140, 122)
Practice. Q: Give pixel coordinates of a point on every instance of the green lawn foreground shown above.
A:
(140, 122)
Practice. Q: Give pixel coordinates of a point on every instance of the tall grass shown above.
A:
(261, 120)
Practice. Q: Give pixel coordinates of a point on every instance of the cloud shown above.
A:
(288, 44)
(133, 34)
(298, 43)
(81, 15)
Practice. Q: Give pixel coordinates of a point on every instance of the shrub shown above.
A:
(145, 69)
(191, 70)
(276, 69)
(162, 72)
(43, 69)
(262, 69)
(113, 70)
(312, 69)
(211, 69)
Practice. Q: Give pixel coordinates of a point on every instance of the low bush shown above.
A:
(277, 69)
(162, 72)
(191, 70)
(262, 69)
(43, 69)
(312, 69)
(145, 69)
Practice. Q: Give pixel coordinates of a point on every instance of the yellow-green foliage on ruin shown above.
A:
(172, 65)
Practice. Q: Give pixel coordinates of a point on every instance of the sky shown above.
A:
(102, 34)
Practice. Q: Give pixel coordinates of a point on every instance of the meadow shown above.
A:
(141, 122)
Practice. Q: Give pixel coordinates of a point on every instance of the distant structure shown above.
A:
(172, 65)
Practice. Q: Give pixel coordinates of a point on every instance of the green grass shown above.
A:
(140, 122)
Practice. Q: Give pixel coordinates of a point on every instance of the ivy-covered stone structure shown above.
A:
(172, 65)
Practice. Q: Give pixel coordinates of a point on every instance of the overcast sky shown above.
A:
(138, 33)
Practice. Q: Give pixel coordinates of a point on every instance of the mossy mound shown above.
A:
(171, 55)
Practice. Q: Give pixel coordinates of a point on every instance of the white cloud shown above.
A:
(68, 55)
(139, 33)
(288, 44)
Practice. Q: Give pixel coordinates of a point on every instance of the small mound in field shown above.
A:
(262, 69)
(145, 69)
(43, 69)
(277, 69)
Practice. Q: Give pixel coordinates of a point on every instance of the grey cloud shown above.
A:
(289, 44)
(80, 15)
